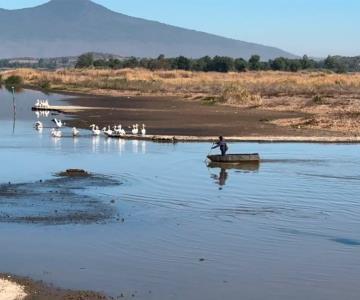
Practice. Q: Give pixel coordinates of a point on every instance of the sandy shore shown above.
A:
(10, 290)
(189, 120)
(19, 288)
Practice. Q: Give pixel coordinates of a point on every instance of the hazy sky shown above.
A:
(314, 27)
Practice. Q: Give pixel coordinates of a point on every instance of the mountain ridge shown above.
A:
(72, 27)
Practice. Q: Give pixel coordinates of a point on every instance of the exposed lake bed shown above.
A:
(170, 227)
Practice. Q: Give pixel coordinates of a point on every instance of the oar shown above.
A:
(209, 151)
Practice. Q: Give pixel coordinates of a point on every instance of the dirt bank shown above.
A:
(174, 116)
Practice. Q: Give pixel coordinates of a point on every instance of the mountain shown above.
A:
(72, 27)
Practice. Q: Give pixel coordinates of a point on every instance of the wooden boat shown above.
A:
(235, 158)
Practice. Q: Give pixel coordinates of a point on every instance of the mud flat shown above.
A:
(57, 201)
(168, 117)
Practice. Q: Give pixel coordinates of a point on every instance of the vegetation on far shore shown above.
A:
(223, 64)
(331, 100)
(338, 64)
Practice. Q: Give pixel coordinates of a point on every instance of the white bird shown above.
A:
(95, 130)
(37, 103)
(75, 132)
(56, 133)
(135, 129)
(58, 123)
(107, 131)
(143, 129)
(119, 130)
(39, 125)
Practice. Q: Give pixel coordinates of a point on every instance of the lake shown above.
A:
(170, 227)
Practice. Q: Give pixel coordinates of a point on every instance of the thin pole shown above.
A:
(14, 106)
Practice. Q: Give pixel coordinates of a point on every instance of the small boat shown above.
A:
(235, 158)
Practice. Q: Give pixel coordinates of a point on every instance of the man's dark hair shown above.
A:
(221, 138)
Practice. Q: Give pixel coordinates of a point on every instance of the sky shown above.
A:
(314, 27)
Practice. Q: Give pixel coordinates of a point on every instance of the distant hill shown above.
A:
(71, 27)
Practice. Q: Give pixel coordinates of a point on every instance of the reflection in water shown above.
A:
(121, 145)
(75, 142)
(224, 175)
(95, 144)
(57, 143)
(221, 178)
(14, 108)
(135, 146)
(143, 147)
(244, 167)
(42, 113)
(16, 89)
(14, 121)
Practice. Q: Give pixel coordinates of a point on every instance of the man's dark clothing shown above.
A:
(223, 147)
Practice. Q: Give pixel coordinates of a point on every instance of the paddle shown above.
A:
(209, 151)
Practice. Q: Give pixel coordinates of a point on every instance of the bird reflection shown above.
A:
(135, 146)
(95, 144)
(143, 147)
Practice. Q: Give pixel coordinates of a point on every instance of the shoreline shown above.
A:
(24, 288)
(82, 118)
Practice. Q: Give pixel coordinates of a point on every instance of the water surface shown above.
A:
(287, 230)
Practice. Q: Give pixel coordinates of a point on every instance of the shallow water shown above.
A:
(288, 230)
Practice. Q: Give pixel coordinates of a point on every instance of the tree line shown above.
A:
(224, 63)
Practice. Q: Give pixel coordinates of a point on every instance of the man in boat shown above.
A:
(222, 145)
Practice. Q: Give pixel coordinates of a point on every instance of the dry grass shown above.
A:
(263, 84)
(332, 99)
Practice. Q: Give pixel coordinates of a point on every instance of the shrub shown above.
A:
(14, 80)
(318, 99)
(45, 84)
(236, 94)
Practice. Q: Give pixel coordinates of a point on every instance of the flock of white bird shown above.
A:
(42, 104)
(115, 131)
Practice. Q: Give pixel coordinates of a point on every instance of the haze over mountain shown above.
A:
(72, 27)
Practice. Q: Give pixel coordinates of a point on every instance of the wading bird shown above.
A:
(143, 129)
(58, 123)
(39, 125)
(75, 132)
(56, 133)
(95, 129)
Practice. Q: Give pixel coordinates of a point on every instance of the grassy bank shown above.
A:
(331, 99)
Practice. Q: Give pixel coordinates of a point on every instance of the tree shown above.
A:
(85, 61)
(254, 63)
(182, 63)
(279, 64)
(100, 63)
(330, 63)
(222, 64)
(240, 65)
(202, 64)
(295, 65)
(115, 63)
(307, 63)
(14, 80)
